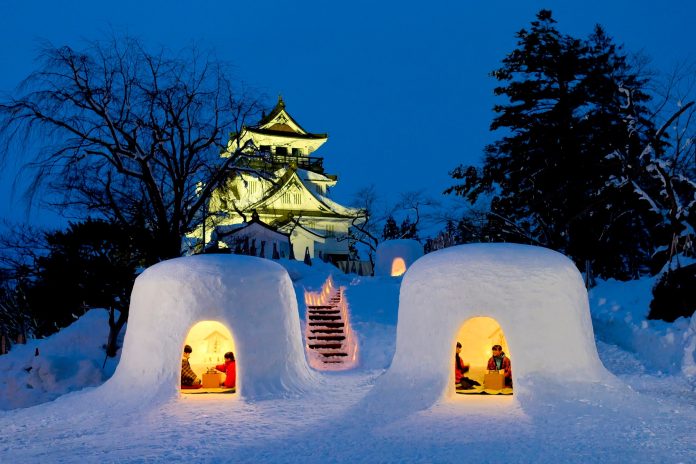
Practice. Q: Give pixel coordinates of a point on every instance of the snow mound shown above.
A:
(689, 361)
(69, 360)
(253, 297)
(619, 316)
(535, 294)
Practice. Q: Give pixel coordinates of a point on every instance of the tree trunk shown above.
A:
(114, 330)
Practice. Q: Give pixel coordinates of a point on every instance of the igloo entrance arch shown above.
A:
(477, 336)
(209, 341)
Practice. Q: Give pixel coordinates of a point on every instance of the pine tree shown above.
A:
(408, 229)
(92, 264)
(549, 177)
(391, 229)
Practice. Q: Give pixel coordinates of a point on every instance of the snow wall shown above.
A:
(535, 294)
(253, 297)
(689, 360)
(388, 251)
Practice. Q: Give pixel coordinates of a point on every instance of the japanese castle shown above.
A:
(280, 206)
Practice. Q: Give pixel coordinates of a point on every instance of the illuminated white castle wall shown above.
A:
(291, 196)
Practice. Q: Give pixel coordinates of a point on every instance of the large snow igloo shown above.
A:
(394, 257)
(536, 296)
(252, 297)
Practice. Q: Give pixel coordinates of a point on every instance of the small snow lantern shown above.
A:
(394, 257)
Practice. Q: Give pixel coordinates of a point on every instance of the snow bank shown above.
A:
(536, 295)
(252, 297)
(69, 360)
(689, 360)
(619, 315)
(389, 252)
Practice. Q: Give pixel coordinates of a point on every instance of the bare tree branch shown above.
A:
(128, 133)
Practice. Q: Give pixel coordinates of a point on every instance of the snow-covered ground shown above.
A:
(648, 416)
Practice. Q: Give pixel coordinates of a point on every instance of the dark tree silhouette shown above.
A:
(550, 176)
(133, 135)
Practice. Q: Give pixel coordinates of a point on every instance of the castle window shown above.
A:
(286, 198)
(265, 149)
(297, 198)
(297, 152)
(252, 187)
(282, 151)
(330, 230)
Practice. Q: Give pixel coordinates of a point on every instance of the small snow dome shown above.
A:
(394, 257)
(215, 303)
(536, 296)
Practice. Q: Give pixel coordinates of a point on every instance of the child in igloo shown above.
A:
(460, 368)
(499, 362)
(230, 370)
(188, 377)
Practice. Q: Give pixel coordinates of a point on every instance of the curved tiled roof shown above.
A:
(281, 128)
(286, 133)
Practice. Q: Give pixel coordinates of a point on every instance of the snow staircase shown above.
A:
(330, 341)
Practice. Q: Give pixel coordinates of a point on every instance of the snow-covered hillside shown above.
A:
(648, 416)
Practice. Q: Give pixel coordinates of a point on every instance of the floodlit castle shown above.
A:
(280, 206)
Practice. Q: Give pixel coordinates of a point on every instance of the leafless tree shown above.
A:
(126, 133)
(20, 247)
(417, 203)
(365, 224)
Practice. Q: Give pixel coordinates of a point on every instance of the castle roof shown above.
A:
(288, 178)
(279, 123)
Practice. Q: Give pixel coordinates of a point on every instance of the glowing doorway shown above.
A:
(398, 267)
(477, 336)
(209, 341)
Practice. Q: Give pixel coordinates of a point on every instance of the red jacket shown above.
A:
(229, 368)
(506, 365)
(459, 368)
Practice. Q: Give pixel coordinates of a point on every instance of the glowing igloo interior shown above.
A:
(477, 335)
(398, 267)
(210, 340)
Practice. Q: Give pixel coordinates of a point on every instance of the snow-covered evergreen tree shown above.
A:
(548, 177)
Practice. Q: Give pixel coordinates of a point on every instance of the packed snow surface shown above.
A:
(648, 415)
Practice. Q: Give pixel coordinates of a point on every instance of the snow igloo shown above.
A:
(229, 302)
(394, 257)
(530, 298)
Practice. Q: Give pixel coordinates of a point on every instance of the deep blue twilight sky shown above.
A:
(402, 88)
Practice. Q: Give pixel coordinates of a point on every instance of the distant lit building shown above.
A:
(282, 202)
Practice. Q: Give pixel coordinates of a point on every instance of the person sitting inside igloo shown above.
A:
(230, 370)
(189, 379)
(460, 368)
(499, 362)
